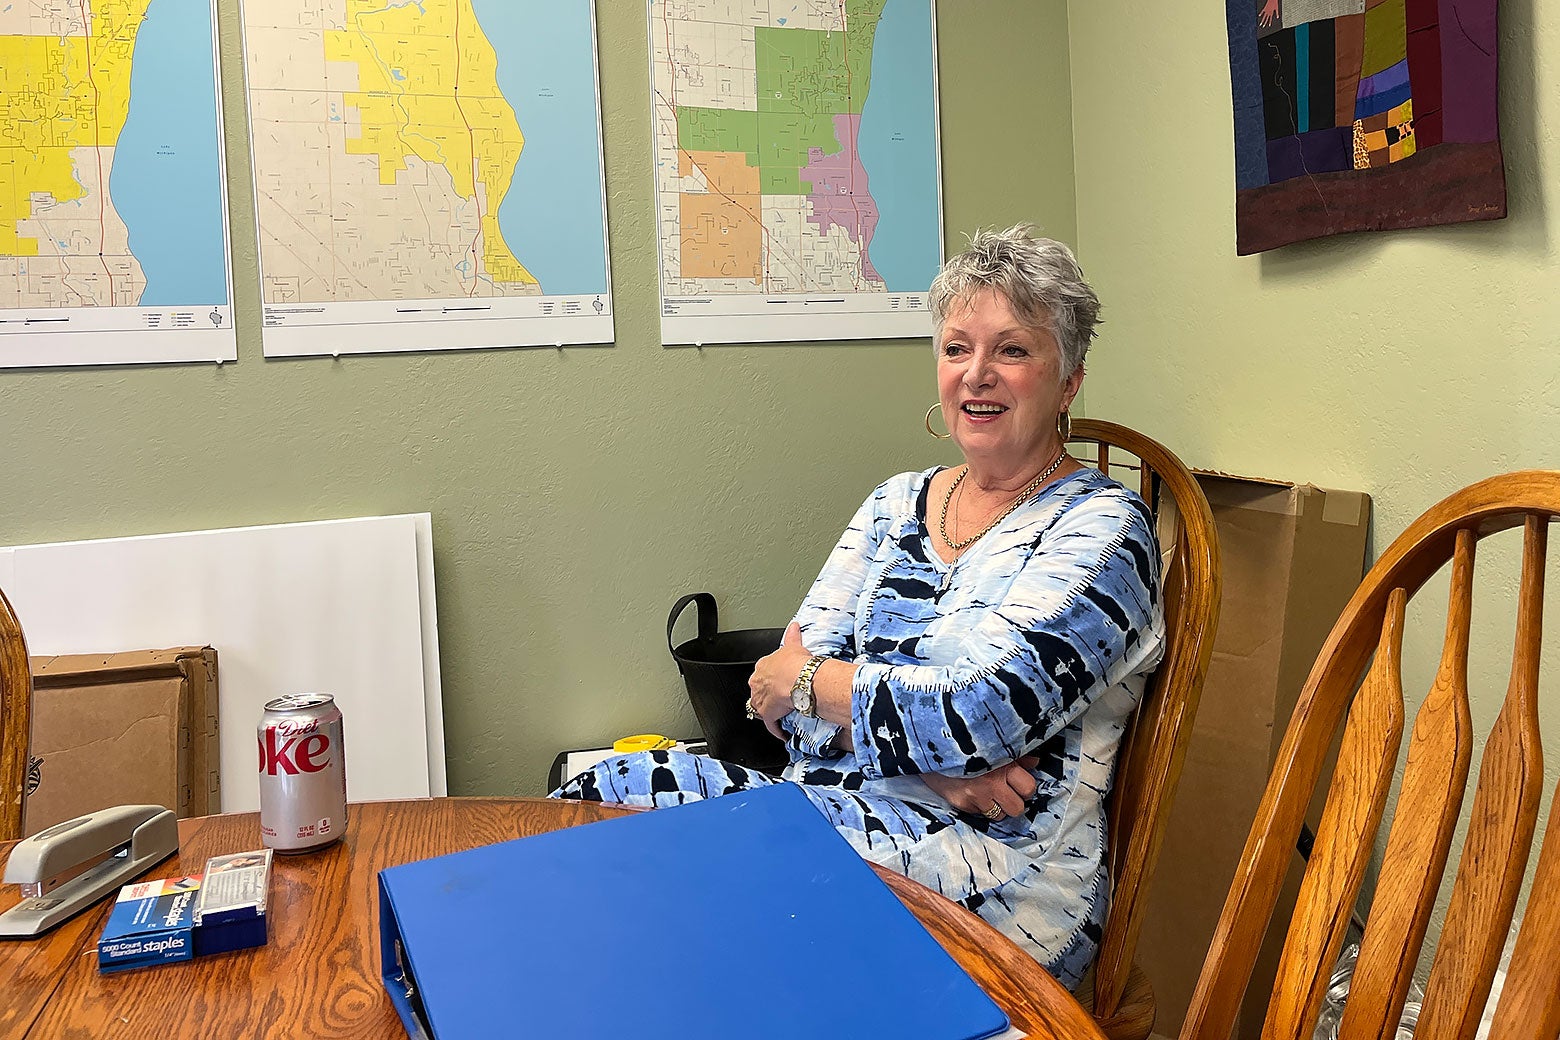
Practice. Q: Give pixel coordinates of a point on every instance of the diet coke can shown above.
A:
(303, 773)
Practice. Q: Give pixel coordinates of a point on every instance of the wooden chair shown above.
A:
(15, 720)
(1151, 757)
(1364, 653)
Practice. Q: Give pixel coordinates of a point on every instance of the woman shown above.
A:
(955, 685)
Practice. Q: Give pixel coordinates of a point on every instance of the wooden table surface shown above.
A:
(319, 974)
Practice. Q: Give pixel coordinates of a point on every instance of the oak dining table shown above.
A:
(318, 976)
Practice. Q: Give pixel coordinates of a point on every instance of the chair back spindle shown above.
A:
(1500, 830)
(1361, 781)
(1417, 846)
(1528, 1009)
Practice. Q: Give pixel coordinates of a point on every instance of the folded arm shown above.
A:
(1070, 626)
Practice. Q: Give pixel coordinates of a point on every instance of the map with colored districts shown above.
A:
(113, 215)
(796, 163)
(427, 174)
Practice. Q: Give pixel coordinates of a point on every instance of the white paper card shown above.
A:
(343, 607)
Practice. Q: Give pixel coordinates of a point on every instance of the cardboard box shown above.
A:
(1293, 554)
(135, 728)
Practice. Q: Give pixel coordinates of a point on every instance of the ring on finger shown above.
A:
(995, 812)
(749, 710)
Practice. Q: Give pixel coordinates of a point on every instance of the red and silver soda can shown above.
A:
(303, 773)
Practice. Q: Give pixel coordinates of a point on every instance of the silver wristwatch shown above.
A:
(802, 698)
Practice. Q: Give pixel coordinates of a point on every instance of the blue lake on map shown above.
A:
(898, 146)
(167, 177)
(552, 217)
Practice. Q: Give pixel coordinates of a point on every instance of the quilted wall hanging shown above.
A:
(1362, 115)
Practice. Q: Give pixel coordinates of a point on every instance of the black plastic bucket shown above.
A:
(715, 667)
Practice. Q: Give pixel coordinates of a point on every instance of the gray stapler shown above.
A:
(68, 867)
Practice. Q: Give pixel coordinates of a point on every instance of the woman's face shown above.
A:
(1000, 384)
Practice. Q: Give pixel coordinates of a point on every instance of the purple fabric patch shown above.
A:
(1468, 70)
(1320, 151)
(1385, 80)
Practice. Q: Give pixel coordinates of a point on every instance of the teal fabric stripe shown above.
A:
(1303, 77)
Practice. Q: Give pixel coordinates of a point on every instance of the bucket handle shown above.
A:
(708, 617)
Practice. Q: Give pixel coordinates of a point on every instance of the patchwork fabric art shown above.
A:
(1362, 115)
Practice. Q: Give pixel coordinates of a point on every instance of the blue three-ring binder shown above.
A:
(721, 918)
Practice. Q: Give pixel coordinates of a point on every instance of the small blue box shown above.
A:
(230, 913)
(151, 923)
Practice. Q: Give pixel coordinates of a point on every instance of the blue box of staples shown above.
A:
(152, 923)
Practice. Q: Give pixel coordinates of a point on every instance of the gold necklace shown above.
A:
(1024, 492)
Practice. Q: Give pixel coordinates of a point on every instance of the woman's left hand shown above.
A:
(1004, 791)
(773, 678)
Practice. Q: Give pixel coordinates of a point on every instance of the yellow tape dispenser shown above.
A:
(642, 742)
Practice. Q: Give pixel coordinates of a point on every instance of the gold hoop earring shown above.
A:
(1064, 425)
(934, 433)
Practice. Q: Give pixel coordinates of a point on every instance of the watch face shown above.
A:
(801, 697)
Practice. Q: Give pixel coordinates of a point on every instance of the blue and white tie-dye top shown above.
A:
(1036, 641)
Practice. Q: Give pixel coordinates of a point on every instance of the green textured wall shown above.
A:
(1405, 364)
(575, 494)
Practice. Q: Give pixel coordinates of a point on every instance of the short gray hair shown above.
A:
(1040, 279)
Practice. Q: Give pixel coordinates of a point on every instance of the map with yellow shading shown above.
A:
(396, 182)
(112, 198)
(65, 96)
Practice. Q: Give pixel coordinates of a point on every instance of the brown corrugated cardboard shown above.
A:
(1292, 555)
(123, 729)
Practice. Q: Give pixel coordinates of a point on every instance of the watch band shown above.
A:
(804, 683)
